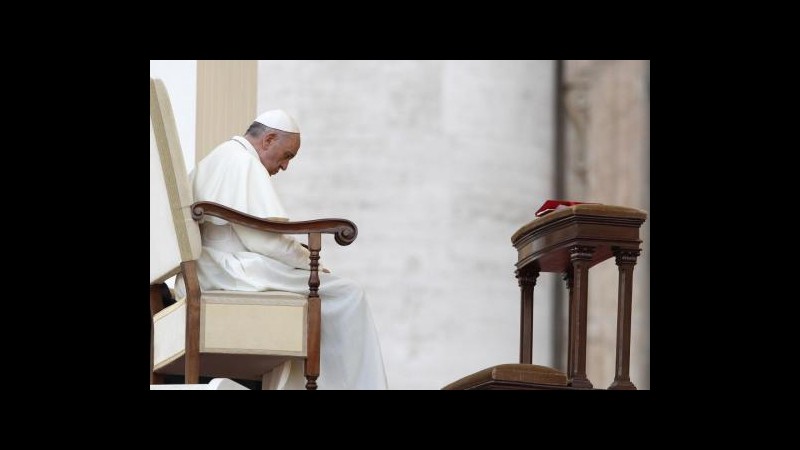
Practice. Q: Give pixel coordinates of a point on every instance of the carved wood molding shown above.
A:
(314, 245)
(344, 231)
(527, 278)
(626, 255)
(580, 215)
(581, 252)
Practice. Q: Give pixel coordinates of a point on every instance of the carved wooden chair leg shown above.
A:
(314, 314)
(313, 344)
(311, 379)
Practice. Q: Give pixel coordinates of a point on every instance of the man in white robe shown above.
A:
(237, 174)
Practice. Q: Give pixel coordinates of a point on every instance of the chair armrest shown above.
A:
(344, 231)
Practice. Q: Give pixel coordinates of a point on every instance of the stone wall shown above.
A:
(438, 163)
(607, 161)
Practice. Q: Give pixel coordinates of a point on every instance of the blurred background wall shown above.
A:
(180, 79)
(607, 159)
(438, 163)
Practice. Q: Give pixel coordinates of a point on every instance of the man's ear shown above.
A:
(269, 138)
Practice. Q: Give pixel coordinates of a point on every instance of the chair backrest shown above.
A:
(174, 235)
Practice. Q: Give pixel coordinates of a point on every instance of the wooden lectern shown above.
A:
(569, 241)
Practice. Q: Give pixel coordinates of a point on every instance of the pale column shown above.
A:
(226, 101)
(607, 160)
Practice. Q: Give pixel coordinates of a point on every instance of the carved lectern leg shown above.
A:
(192, 356)
(581, 257)
(314, 314)
(626, 259)
(156, 305)
(569, 280)
(527, 282)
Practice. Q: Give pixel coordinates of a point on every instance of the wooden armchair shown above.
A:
(230, 334)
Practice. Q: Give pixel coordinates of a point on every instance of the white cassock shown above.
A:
(238, 258)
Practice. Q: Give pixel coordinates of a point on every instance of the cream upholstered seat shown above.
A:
(242, 334)
(220, 333)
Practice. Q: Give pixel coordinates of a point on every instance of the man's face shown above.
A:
(279, 149)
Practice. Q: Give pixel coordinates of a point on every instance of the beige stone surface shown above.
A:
(608, 161)
(438, 163)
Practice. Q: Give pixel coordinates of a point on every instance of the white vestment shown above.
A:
(238, 258)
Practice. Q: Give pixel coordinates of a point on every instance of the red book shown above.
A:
(554, 205)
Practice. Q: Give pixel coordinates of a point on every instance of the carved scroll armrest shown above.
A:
(344, 231)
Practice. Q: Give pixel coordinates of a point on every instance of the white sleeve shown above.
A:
(232, 177)
(281, 247)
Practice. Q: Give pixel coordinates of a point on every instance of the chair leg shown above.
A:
(156, 305)
(193, 295)
(314, 314)
(311, 380)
